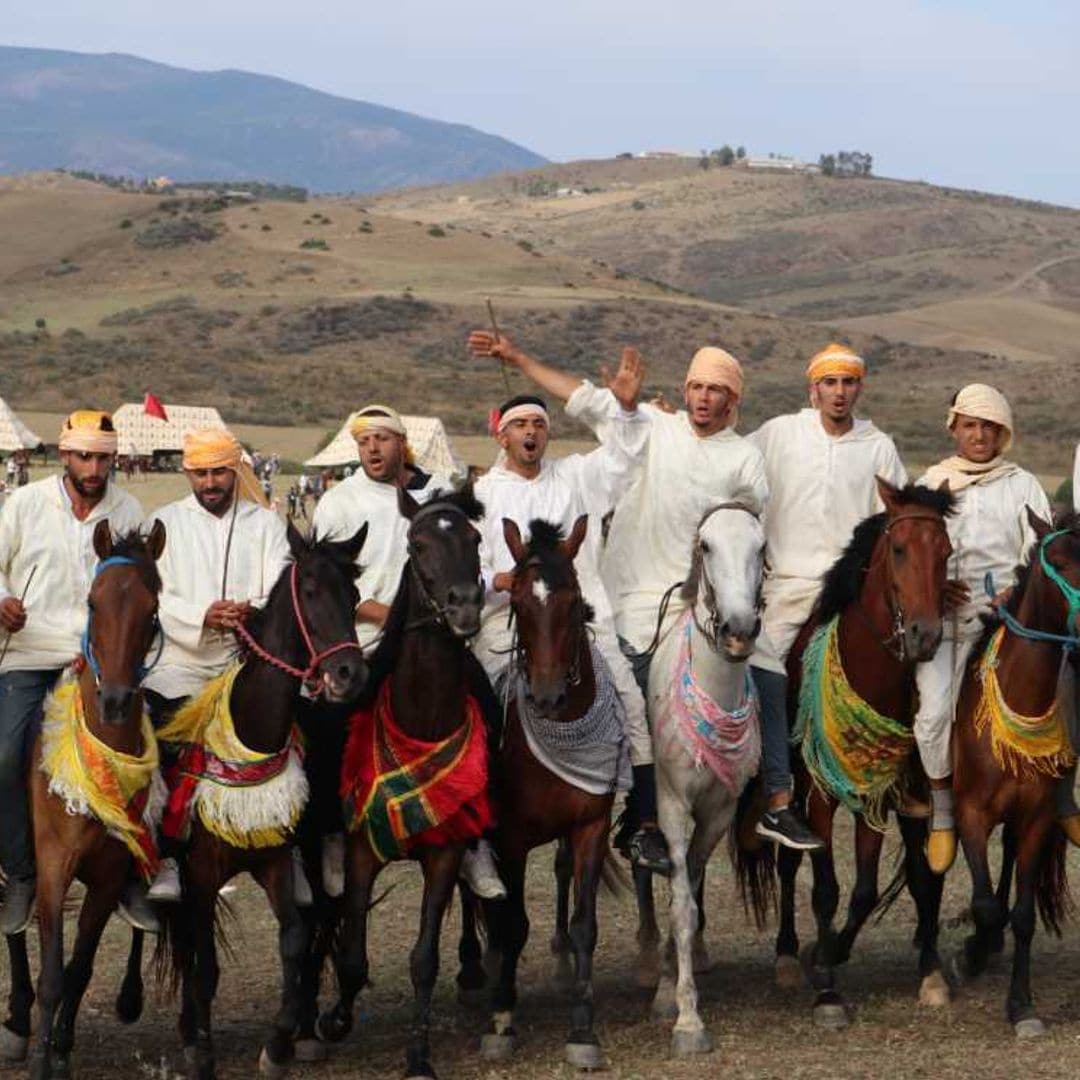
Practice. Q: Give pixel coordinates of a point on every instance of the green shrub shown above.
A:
(436, 231)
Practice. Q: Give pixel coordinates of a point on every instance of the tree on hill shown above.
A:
(847, 163)
(705, 160)
(724, 156)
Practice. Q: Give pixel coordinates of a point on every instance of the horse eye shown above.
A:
(705, 547)
(898, 551)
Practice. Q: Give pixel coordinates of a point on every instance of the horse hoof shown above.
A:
(830, 1016)
(310, 1050)
(39, 1067)
(129, 1008)
(332, 1028)
(1031, 1028)
(788, 973)
(499, 1047)
(688, 1043)
(934, 991)
(13, 1047)
(270, 1068)
(61, 1067)
(700, 953)
(585, 1055)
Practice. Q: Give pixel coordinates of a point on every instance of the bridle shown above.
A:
(437, 612)
(315, 657)
(92, 662)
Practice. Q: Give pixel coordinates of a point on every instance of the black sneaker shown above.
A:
(648, 849)
(625, 828)
(785, 828)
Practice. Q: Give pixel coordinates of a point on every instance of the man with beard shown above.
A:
(47, 564)
(224, 552)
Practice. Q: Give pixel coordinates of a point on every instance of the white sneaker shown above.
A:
(165, 888)
(301, 885)
(333, 864)
(479, 873)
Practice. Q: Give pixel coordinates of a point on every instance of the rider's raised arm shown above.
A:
(550, 379)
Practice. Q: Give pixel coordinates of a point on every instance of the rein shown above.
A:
(315, 658)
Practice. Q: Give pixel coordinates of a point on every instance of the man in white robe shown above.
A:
(990, 533)
(224, 551)
(47, 565)
(822, 464)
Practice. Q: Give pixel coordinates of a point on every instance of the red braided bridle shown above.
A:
(315, 657)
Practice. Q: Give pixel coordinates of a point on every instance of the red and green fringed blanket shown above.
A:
(405, 793)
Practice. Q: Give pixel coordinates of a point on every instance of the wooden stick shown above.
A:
(495, 331)
(26, 589)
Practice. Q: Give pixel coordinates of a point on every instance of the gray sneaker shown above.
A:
(785, 828)
(136, 910)
(18, 906)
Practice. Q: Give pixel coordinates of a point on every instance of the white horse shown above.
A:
(706, 735)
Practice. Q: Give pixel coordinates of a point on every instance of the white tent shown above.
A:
(427, 437)
(14, 434)
(138, 433)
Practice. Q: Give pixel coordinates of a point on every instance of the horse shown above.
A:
(703, 715)
(562, 758)
(880, 611)
(304, 636)
(94, 784)
(420, 728)
(1009, 746)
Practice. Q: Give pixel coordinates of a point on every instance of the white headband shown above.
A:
(527, 411)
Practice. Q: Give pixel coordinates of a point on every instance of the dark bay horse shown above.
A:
(305, 634)
(421, 703)
(1009, 746)
(884, 602)
(78, 828)
(554, 662)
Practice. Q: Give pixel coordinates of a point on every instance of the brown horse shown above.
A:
(886, 595)
(304, 634)
(998, 780)
(123, 621)
(425, 679)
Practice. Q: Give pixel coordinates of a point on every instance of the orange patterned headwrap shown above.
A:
(835, 359)
(215, 448)
(88, 431)
(715, 366)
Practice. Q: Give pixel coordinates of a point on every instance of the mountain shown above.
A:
(124, 115)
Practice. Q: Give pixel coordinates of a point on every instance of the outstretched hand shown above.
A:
(625, 384)
(485, 343)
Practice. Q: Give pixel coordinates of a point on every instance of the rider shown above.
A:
(524, 485)
(223, 553)
(46, 566)
(990, 533)
(821, 465)
(693, 461)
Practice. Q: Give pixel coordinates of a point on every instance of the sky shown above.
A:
(969, 93)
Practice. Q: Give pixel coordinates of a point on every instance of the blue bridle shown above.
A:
(88, 649)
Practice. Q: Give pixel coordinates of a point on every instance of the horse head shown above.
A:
(322, 586)
(550, 611)
(1057, 555)
(724, 587)
(914, 550)
(444, 554)
(123, 616)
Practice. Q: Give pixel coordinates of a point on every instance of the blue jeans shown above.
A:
(22, 694)
(775, 745)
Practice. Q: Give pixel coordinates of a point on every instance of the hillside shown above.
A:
(123, 115)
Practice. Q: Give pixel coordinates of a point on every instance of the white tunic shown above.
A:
(820, 487)
(38, 528)
(652, 532)
(192, 568)
(347, 506)
(1076, 480)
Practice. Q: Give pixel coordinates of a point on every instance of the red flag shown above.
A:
(153, 407)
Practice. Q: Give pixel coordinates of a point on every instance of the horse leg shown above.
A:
(361, 870)
(129, 1002)
(441, 866)
(702, 961)
(204, 980)
(648, 932)
(561, 945)
(471, 977)
(864, 896)
(15, 1031)
(589, 846)
(925, 888)
(275, 875)
(829, 1008)
(52, 885)
(996, 944)
(1031, 854)
(319, 922)
(788, 973)
(508, 930)
(986, 912)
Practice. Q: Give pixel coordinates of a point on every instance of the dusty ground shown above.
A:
(758, 1030)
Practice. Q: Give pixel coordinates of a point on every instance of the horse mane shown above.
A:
(558, 571)
(842, 583)
(464, 499)
(132, 545)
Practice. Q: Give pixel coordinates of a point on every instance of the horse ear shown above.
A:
(297, 543)
(407, 505)
(155, 542)
(943, 487)
(512, 536)
(1041, 527)
(352, 546)
(573, 542)
(887, 492)
(103, 539)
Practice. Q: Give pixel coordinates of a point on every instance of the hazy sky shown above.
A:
(973, 93)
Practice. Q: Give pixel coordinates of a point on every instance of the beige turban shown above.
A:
(835, 359)
(88, 431)
(984, 403)
(372, 417)
(215, 448)
(719, 368)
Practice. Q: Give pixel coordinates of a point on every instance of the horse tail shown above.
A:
(754, 863)
(613, 875)
(1052, 894)
(176, 942)
(891, 893)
